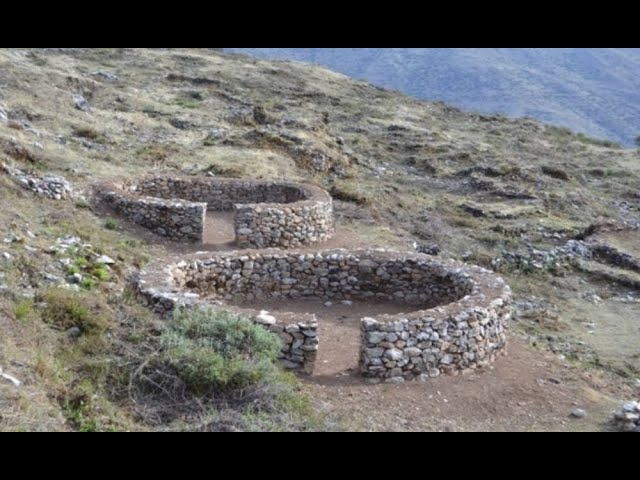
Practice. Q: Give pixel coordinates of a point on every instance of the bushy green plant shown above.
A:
(111, 224)
(216, 351)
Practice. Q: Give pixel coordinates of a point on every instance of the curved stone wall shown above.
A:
(457, 320)
(174, 219)
(267, 214)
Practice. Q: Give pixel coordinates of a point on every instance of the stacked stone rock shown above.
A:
(174, 219)
(49, 186)
(267, 214)
(572, 250)
(457, 320)
(628, 418)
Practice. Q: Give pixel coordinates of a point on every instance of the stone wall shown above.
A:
(458, 312)
(454, 339)
(267, 214)
(177, 220)
(339, 274)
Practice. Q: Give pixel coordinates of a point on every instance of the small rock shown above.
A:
(74, 279)
(80, 103)
(395, 380)
(394, 354)
(10, 378)
(108, 76)
(328, 304)
(429, 249)
(266, 319)
(579, 413)
(105, 260)
(12, 238)
(69, 241)
(347, 303)
(74, 332)
(447, 359)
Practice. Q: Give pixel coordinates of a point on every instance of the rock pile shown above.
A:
(628, 418)
(535, 259)
(50, 186)
(555, 258)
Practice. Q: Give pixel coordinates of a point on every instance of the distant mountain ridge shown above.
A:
(594, 91)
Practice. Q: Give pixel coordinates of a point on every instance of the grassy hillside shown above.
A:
(482, 187)
(594, 91)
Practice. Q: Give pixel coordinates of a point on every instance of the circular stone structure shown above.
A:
(456, 320)
(266, 214)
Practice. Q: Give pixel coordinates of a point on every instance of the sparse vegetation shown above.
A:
(65, 309)
(23, 309)
(212, 358)
(350, 192)
(89, 133)
(111, 224)
(214, 352)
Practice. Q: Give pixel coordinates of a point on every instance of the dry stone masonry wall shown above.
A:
(267, 214)
(457, 313)
(174, 219)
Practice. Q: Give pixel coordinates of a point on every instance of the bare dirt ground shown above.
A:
(527, 390)
(219, 233)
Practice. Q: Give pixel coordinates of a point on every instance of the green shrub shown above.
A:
(87, 283)
(23, 309)
(100, 272)
(111, 224)
(214, 351)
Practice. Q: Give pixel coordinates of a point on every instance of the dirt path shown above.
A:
(219, 234)
(526, 391)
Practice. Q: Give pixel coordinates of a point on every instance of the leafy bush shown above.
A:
(221, 369)
(215, 351)
(111, 224)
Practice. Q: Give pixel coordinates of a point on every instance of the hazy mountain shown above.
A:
(595, 91)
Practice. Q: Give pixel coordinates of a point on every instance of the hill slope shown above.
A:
(506, 193)
(594, 91)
